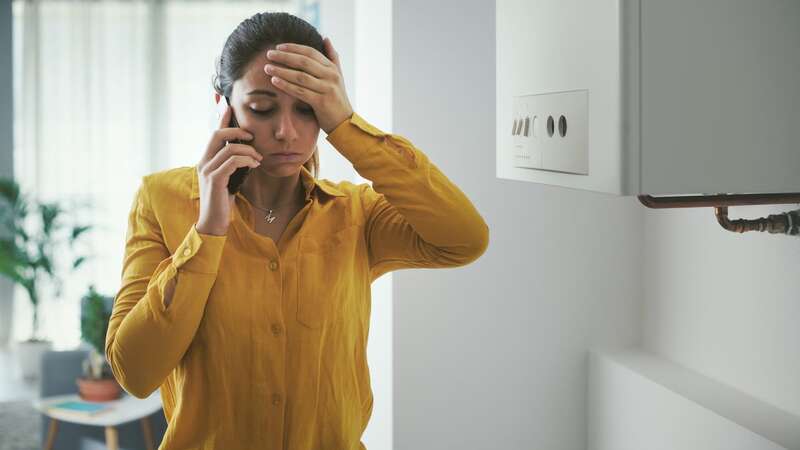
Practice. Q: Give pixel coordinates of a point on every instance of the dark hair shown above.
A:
(256, 34)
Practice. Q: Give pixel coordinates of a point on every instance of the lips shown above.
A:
(285, 156)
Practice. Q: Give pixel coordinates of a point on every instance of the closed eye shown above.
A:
(308, 111)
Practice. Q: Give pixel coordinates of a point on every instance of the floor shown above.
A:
(20, 426)
(12, 386)
(19, 422)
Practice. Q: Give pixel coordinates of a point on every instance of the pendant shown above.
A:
(269, 217)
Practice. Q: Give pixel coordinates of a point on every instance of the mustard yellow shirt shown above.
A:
(264, 344)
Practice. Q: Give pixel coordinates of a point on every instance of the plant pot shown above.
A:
(29, 357)
(98, 390)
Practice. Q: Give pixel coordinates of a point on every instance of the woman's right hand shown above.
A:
(215, 169)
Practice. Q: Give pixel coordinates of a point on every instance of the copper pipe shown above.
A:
(784, 223)
(697, 201)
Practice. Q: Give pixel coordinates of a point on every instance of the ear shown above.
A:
(216, 97)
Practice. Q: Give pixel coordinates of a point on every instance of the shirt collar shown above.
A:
(308, 180)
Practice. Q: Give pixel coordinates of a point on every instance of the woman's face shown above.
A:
(279, 122)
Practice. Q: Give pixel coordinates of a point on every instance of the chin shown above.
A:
(281, 170)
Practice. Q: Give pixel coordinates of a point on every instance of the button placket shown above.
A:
(276, 328)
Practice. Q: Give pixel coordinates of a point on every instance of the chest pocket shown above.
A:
(325, 276)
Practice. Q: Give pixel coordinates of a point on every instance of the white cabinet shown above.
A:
(649, 96)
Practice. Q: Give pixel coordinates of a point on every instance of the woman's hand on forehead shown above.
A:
(313, 78)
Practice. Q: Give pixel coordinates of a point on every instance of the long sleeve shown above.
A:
(416, 216)
(146, 340)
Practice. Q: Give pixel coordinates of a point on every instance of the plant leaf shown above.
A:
(45, 263)
(49, 212)
(77, 231)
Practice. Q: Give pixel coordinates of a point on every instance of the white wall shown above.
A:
(723, 304)
(361, 33)
(641, 401)
(495, 354)
(373, 101)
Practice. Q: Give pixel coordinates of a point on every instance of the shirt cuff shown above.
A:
(199, 252)
(355, 133)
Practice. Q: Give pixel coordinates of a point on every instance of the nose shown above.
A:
(286, 129)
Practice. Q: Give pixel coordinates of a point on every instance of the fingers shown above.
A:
(334, 55)
(220, 137)
(230, 134)
(296, 78)
(225, 117)
(230, 151)
(226, 169)
(304, 58)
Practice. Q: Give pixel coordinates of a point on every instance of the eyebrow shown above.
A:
(262, 92)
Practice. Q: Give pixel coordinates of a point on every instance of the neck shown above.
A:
(269, 192)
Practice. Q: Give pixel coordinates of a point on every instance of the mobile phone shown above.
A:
(239, 175)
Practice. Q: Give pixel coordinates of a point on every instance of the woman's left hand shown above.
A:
(318, 82)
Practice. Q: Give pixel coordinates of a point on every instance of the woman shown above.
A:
(251, 311)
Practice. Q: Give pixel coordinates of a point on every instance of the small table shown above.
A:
(127, 408)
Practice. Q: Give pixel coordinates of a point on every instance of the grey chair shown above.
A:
(58, 374)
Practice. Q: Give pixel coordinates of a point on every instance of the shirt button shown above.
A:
(276, 399)
(187, 251)
(276, 329)
(273, 265)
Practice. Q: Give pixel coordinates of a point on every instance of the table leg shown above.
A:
(51, 434)
(147, 432)
(112, 438)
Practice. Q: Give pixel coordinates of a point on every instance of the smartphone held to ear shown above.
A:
(239, 175)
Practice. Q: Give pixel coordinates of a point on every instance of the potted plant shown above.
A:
(97, 383)
(31, 235)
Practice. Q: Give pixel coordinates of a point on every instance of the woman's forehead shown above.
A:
(254, 77)
(259, 61)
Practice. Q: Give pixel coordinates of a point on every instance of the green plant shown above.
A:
(27, 253)
(94, 325)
